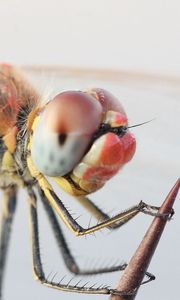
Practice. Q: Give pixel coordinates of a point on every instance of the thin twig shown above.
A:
(135, 271)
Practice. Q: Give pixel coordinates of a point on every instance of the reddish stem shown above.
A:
(135, 271)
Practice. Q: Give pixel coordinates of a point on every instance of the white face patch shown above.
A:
(56, 154)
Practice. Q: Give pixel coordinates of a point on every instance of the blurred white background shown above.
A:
(138, 36)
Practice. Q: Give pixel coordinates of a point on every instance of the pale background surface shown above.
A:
(141, 35)
(131, 35)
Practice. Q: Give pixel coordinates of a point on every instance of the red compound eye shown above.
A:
(129, 144)
(73, 112)
(107, 100)
(113, 151)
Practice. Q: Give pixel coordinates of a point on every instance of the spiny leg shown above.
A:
(92, 208)
(95, 210)
(67, 255)
(98, 213)
(120, 218)
(9, 206)
(37, 264)
(69, 260)
(101, 216)
(63, 246)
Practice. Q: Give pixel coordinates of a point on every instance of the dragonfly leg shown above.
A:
(38, 268)
(69, 259)
(9, 205)
(102, 216)
(78, 230)
(92, 208)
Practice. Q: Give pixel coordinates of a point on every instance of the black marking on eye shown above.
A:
(62, 161)
(62, 138)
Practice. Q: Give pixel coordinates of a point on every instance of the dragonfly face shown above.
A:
(68, 138)
(80, 140)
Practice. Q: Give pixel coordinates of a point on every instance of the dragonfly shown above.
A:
(79, 140)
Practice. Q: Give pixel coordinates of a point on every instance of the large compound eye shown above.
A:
(64, 131)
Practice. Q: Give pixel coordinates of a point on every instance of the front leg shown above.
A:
(102, 216)
(78, 230)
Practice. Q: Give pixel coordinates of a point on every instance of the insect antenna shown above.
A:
(140, 124)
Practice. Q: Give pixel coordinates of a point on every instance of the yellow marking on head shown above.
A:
(32, 117)
(10, 139)
(68, 187)
(8, 162)
(35, 122)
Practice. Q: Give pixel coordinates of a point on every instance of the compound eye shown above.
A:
(64, 132)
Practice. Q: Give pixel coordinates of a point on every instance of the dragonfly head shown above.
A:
(64, 131)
